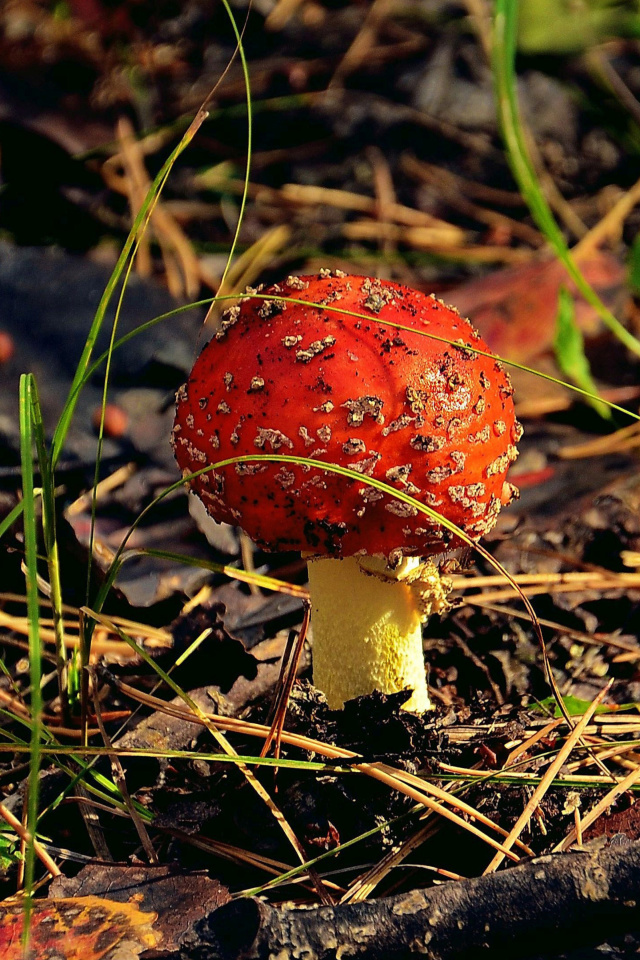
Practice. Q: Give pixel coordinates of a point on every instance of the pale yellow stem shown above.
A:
(367, 627)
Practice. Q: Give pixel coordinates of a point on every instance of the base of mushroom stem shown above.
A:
(367, 626)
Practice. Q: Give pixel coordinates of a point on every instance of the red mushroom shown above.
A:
(428, 418)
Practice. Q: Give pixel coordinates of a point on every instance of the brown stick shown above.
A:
(40, 852)
(543, 905)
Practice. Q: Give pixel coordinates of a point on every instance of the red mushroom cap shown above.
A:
(428, 418)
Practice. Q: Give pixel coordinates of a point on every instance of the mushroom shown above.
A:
(431, 419)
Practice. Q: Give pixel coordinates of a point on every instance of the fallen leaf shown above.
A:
(616, 822)
(77, 928)
(178, 898)
(515, 309)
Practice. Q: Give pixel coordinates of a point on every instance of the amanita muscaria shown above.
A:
(432, 419)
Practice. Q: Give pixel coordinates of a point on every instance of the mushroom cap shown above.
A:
(430, 419)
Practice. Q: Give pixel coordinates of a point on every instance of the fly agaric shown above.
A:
(431, 419)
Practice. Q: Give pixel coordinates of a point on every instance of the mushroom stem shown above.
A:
(367, 626)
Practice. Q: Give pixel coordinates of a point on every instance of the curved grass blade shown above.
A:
(581, 391)
(83, 372)
(503, 54)
(118, 559)
(152, 199)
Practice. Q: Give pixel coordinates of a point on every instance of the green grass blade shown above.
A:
(122, 271)
(568, 346)
(303, 868)
(50, 543)
(311, 766)
(143, 215)
(141, 652)
(12, 517)
(106, 789)
(121, 341)
(245, 192)
(260, 580)
(504, 52)
(33, 613)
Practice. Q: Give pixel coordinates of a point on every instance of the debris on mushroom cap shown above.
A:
(350, 390)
